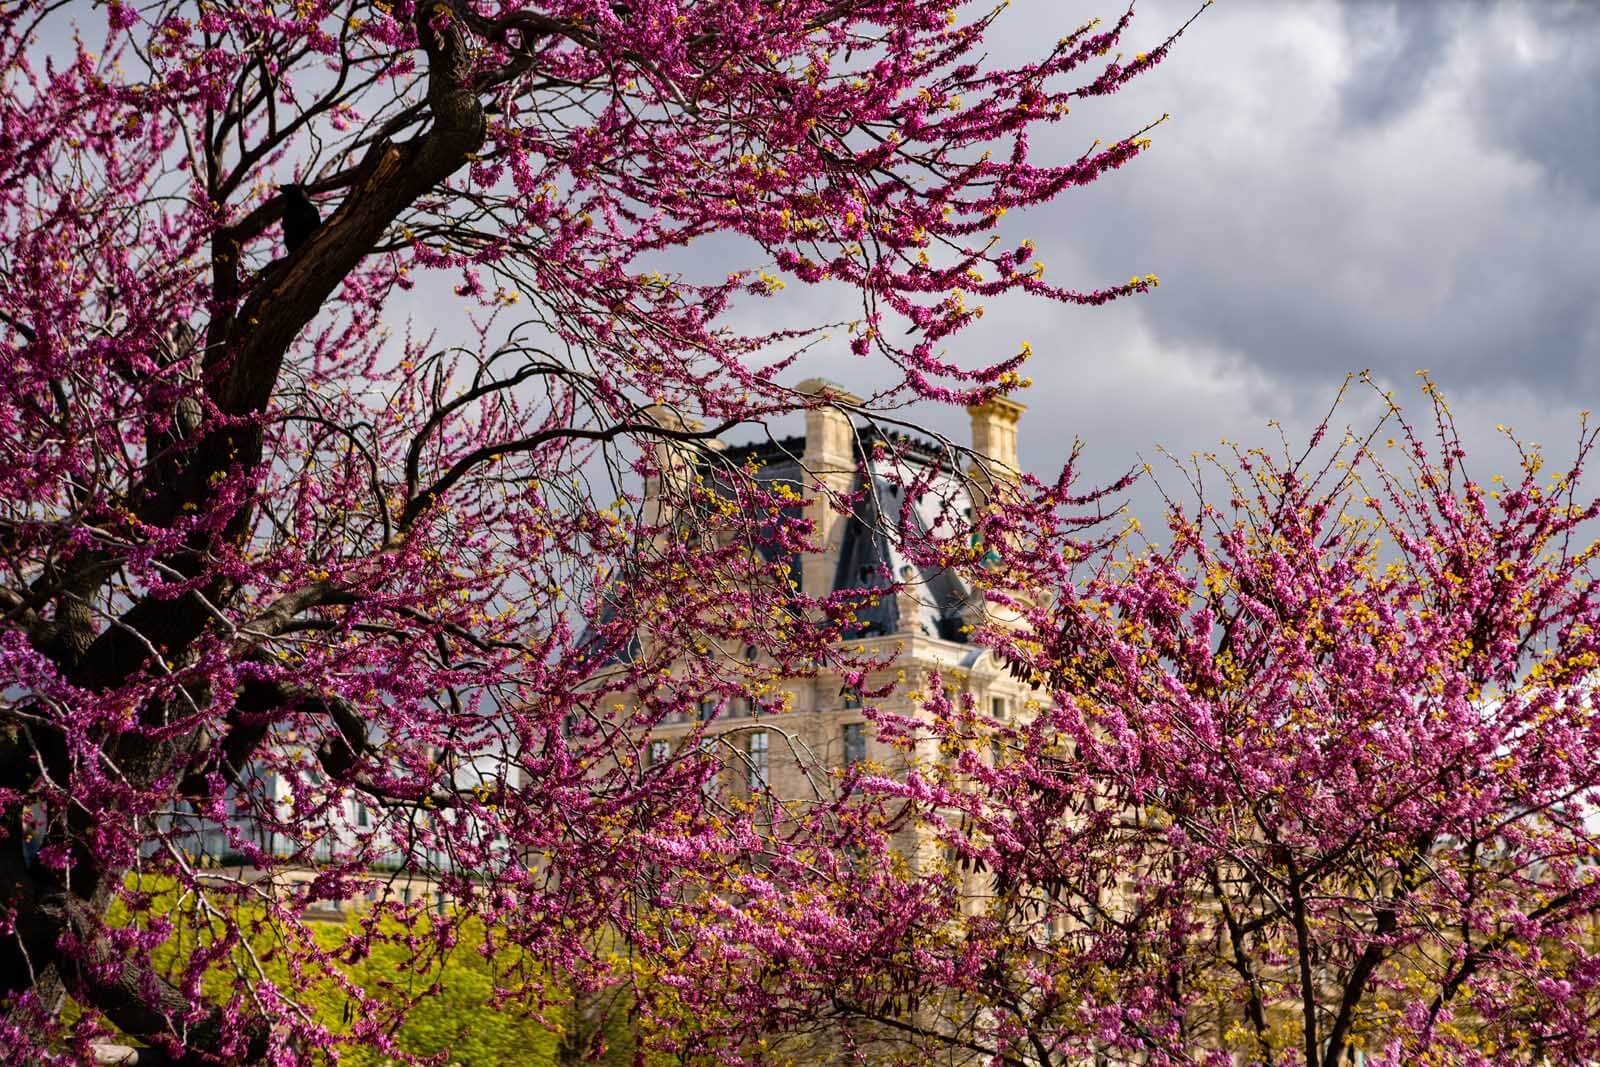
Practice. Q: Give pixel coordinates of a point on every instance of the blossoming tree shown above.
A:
(256, 529)
(1315, 779)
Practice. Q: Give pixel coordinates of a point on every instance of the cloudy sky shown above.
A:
(1393, 186)
(1341, 185)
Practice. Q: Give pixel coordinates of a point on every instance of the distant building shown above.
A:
(923, 628)
(263, 823)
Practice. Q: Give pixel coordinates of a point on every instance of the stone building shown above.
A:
(920, 629)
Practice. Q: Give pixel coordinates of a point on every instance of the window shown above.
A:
(708, 708)
(363, 818)
(855, 743)
(852, 696)
(758, 761)
(997, 707)
(438, 902)
(658, 753)
(708, 788)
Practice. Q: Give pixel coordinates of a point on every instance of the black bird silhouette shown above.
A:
(300, 217)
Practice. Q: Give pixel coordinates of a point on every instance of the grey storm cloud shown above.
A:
(1397, 47)
(1544, 101)
(1360, 190)
(1340, 186)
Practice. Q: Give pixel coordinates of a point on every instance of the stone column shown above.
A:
(830, 468)
(994, 466)
(676, 462)
(994, 439)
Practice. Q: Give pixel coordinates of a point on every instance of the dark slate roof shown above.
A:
(870, 556)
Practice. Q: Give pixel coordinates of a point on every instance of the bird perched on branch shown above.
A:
(300, 216)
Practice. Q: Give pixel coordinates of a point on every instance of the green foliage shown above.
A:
(442, 998)
(448, 1009)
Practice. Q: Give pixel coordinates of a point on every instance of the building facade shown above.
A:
(923, 628)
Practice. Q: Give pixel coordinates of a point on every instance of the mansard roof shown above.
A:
(870, 555)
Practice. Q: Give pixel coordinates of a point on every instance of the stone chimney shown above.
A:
(994, 465)
(994, 439)
(675, 460)
(830, 466)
